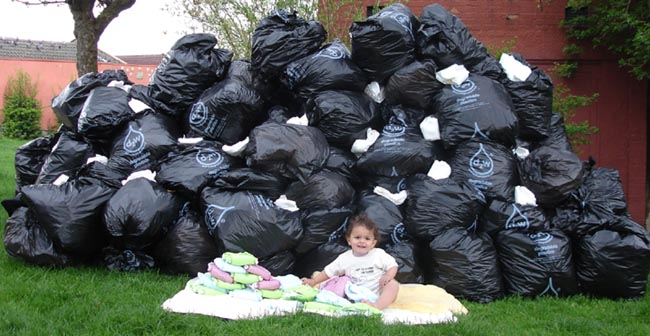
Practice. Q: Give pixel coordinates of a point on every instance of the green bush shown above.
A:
(21, 109)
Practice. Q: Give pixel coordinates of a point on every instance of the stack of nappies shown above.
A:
(237, 275)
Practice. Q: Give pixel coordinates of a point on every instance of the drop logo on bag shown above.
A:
(398, 234)
(481, 164)
(214, 215)
(517, 220)
(401, 19)
(339, 233)
(334, 51)
(401, 185)
(206, 123)
(134, 146)
(133, 142)
(208, 158)
(199, 114)
(396, 127)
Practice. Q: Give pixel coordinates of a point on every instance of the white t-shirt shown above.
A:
(363, 270)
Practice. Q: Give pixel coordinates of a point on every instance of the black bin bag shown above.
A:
(489, 67)
(414, 85)
(139, 214)
(408, 270)
(343, 116)
(66, 157)
(68, 104)
(504, 215)
(605, 186)
(435, 206)
(537, 263)
(226, 112)
(465, 265)
(191, 167)
(30, 157)
(293, 151)
(281, 263)
(325, 203)
(385, 214)
(342, 162)
(479, 106)
(557, 137)
(187, 247)
(393, 236)
(384, 42)
(322, 190)
(25, 239)
(444, 38)
(593, 205)
(100, 171)
(269, 183)
(105, 110)
(488, 166)
(281, 38)
(127, 260)
(614, 262)
(551, 174)
(330, 68)
(318, 258)
(400, 150)
(319, 225)
(393, 184)
(192, 65)
(142, 142)
(245, 221)
(533, 102)
(71, 213)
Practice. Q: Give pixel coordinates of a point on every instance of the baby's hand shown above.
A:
(384, 280)
(308, 281)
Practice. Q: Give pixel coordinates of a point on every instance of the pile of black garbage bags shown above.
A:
(214, 132)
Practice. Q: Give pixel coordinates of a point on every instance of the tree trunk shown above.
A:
(86, 48)
(88, 28)
(85, 34)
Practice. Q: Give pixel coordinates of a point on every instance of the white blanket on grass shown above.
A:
(416, 304)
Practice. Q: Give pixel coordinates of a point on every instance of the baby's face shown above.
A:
(361, 240)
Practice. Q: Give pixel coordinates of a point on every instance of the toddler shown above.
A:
(366, 265)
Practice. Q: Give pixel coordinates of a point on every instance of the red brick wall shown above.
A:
(53, 76)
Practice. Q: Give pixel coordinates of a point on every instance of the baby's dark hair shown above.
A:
(362, 220)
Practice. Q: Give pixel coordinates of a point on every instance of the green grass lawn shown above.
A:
(95, 301)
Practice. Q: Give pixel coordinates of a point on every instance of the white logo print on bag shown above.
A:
(208, 157)
(401, 19)
(199, 114)
(214, 216)
(334, 51)
(396, 127)
(134, 142)
(541, 237)
(517, 220)
(481, 164)
(464, 88)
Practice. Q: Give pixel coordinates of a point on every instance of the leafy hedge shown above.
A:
(21, 109)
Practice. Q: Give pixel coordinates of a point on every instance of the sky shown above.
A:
(145, 28)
